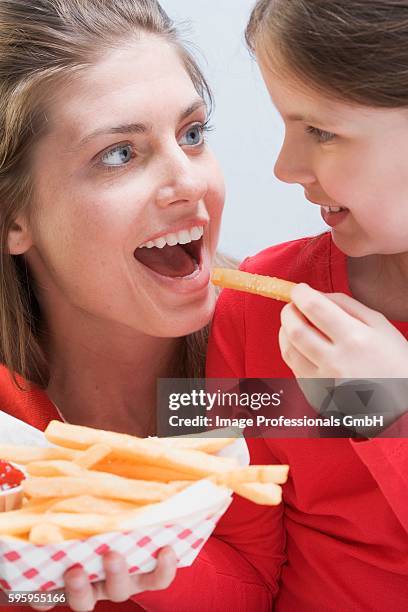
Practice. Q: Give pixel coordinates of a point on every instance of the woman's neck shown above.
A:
(110, 383)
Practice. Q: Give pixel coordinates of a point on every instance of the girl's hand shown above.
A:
(335, 336)
(118, 586)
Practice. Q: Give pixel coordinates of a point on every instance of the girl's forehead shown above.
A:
(298, 99)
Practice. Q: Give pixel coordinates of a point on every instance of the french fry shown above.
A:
(45, 533)
(100, 485)
(267, 494)
(71, 534)
(93, 455)
(90, 503)
(55, 467)
(38, 504)
(19, 522)
(206, 445)
(26, 454)
(148, 452)
(23, 537)
(140, 471)
(268, 286)
(94, 481)
(277, 474)
(83, 523)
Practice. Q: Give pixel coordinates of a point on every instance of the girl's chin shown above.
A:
(354, 247)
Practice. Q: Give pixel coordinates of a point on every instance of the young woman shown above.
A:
(337, 73)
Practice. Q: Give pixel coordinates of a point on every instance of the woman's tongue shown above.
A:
(171, 261)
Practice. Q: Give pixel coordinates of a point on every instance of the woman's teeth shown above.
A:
(181, 237)
(333, 209)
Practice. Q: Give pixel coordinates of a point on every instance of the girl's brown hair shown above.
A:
(43, 43)
(353, 50)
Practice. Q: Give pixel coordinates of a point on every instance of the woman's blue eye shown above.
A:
(118, 156)
(194, 136)
(321, 135)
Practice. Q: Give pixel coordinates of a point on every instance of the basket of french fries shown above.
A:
(91, 491)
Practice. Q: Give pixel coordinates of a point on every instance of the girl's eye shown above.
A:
(321, 135)
(195, 135)
(118, 156)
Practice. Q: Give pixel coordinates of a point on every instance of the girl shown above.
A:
(109, 218)
(337, 73)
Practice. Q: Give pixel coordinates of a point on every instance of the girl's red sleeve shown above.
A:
(239, 567)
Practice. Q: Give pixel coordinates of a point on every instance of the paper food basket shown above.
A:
(184, 522)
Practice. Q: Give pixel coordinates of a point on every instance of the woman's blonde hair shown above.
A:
(44, 43)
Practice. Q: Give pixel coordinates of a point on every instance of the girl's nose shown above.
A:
(294, 164)
(183, 180)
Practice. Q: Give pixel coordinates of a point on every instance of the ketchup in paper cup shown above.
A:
(11, 491)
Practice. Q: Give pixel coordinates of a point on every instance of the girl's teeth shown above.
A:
(333, 209)
(181, 237)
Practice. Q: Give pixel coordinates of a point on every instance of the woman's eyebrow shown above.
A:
(138, 128)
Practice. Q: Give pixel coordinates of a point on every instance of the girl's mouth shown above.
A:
(176, 260)
(334, 215)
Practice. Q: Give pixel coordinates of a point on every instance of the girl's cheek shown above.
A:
(337, 181)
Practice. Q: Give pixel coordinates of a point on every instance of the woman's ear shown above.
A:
(19, 239)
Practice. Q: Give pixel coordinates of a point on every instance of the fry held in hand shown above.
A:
(267, 286)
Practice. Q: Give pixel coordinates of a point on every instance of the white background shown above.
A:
(260, 210)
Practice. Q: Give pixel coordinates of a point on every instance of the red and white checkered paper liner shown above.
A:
(185, 522)
(27, 567)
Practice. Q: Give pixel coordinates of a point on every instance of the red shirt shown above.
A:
(224, 577)
(339, 542)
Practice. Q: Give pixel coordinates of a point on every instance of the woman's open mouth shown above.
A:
(174, 255)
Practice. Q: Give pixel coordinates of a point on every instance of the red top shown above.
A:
(222, 578)
(340, 540)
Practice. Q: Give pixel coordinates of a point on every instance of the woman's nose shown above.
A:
(294, 164)
(183, 181)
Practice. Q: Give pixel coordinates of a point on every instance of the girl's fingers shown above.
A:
(308, 340)
(79, 591)
(300, 365)
(162, 576)
(328, 316)
(355, 308)
(118, 583)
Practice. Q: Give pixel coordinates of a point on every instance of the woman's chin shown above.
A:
(188, 320)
